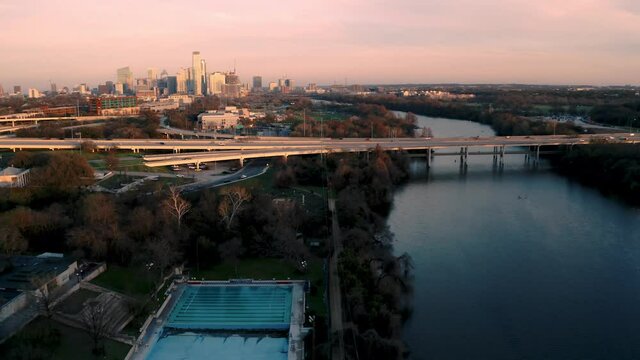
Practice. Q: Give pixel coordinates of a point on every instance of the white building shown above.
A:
(181, 99)
(216, 120)
(14, 177)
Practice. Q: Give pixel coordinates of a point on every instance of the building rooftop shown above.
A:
(9, 171)
(18, 272)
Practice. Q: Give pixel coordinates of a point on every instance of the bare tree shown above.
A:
(164, 251)
(94, 318)
(111, 161)
(233, 199)
(176, 205)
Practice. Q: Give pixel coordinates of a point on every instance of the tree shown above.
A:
(233, 199)
(88, 146)
(12, 242)
(95, 320)
(112, 161)
(231, 251)
(164, 251)
(177, 206)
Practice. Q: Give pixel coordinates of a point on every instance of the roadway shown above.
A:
(263, 147)
(249, 143)
(250, 170)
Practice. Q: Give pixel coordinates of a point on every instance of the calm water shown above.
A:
(516, 263)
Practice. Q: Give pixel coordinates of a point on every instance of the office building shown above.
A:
(216, 83)
(54, 88)
(232, 86)
(203, 78)
(17, 89)
(115, 105)
(34, 93)
(273, 86)
(257, 83)
(103, 89)
(171, 84)
(196, 63)
(119, 88)
(182, 81)
(125, 77)
(217, 120)
(152, 76)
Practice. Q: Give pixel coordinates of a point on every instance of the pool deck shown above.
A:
(155, 325)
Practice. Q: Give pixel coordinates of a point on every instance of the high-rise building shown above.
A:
(103, 89)
(17, 89)
(216, 83)
(172, 84)
(203, 79)
(1, 91)
(273, 86)
(34, 93)
(196, 66)
(119, 90)
(257, 83)
(152, 77)
(182, 81)
(54, 88)
(232, 85)
(125, 77)
(109, 85)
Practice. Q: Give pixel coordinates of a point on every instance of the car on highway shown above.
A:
(243, 176)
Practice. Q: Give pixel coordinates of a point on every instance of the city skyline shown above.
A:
(574, 42)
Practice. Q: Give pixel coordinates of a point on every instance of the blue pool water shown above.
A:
(201, 346)
(232, 308)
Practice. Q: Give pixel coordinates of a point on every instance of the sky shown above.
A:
(328, 41)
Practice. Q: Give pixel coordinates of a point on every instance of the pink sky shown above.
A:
(328, 41)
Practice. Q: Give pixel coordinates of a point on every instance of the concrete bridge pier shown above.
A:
(241, 161)
(429, 158)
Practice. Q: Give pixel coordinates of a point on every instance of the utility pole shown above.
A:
(304, 122)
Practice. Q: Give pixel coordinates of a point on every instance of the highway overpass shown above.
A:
(208, 150)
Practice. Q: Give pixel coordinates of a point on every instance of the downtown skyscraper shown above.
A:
(198, 74)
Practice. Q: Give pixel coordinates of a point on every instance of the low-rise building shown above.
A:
(14, 177)
(114, 105)
(217, 120)
(35, 275)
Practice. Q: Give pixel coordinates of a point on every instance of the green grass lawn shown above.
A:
(73, 304)
(133, 281)
(116, 181)
(268, 269)
(73, 344)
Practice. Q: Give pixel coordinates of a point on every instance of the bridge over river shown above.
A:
(197, 151)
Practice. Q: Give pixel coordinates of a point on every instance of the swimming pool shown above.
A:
(191, 345)
(239, 307)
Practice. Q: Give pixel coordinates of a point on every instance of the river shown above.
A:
(516, 262)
